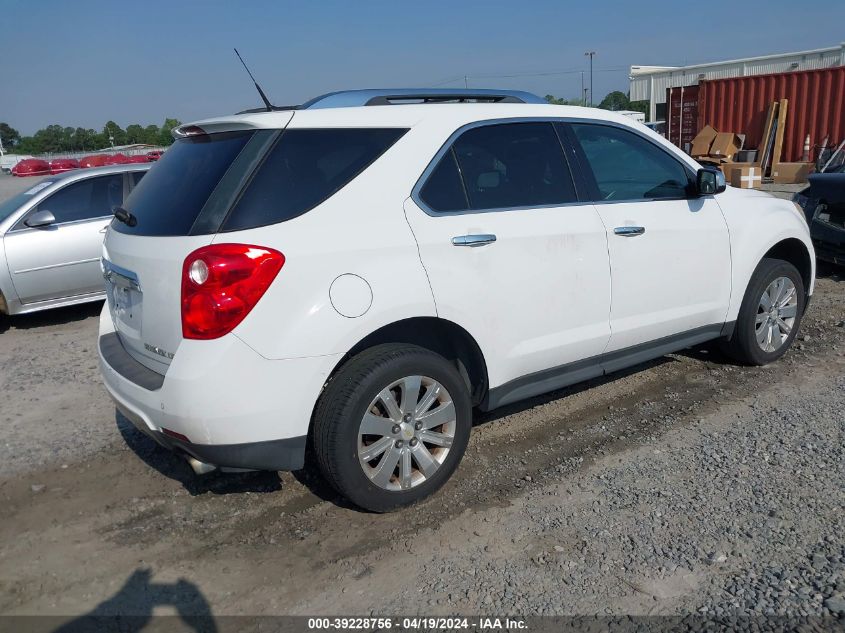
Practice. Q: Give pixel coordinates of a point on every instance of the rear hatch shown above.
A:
(177, 208)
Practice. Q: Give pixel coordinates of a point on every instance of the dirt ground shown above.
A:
(688, 485)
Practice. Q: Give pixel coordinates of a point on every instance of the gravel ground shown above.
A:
(686, 486)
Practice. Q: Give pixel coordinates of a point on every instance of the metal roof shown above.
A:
(651, 82)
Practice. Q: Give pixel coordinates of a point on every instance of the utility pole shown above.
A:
(466, 83)
(583, 90)
(590, 55)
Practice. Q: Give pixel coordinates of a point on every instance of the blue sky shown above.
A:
(80, 63)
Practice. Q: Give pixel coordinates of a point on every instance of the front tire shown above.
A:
(391, 426)
(770, 314)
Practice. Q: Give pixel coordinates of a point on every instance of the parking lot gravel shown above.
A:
(689, 485)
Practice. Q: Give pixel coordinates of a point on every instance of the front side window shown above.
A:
(626, 166)
(514, 165)
(85, 200)
(305, 168)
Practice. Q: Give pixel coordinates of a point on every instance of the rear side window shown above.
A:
(305, 168)
(628, 167)
(85, 200)
(444, 191)
(170, 197)
(513, 165)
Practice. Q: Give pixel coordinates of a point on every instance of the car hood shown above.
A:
(829, 187)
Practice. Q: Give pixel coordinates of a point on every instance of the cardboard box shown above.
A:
(746, 176)
(725, 145)
(791, 173)
(702, 141)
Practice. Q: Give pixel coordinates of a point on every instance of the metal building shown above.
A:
(649, 83)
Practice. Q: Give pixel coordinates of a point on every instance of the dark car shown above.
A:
(823, 203)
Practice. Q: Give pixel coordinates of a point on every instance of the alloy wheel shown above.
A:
(406, 433)
(776, 314)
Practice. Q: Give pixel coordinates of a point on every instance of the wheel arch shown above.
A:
(438, 335)
(796, 253)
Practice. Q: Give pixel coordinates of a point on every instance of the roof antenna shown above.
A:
(264, 98)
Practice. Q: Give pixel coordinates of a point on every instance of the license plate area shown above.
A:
(125, 298)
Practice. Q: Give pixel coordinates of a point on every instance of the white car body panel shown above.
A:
(557, 287)
(374, 244)
(536, 298)
(222, 392)
(746, 213)
(152, 315)
(672, 278)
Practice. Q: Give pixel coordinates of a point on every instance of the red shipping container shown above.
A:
(816, 107)
(682, 119)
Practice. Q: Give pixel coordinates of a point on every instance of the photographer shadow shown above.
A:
(130, 610)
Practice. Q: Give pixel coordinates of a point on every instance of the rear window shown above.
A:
(305, 168)
(170, 197)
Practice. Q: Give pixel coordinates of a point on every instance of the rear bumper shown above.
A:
(285, 454)
(233, 407)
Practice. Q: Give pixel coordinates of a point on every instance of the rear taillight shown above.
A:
(221, 283)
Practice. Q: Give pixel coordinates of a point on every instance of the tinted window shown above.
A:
(86, 199)
(172, 194)
(444, 191)
(513, 165)
(9, 206)
(136, 177)
(303, 169)
(629, 167)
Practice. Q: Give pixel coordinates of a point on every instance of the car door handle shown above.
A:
(629, 231)
(474, 240)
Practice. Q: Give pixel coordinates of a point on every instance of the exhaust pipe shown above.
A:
(200, 468)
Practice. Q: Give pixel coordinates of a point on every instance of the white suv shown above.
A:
(353, 276)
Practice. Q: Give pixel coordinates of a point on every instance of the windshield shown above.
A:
(8, 207)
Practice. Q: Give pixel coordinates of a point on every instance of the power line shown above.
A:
(545, 73)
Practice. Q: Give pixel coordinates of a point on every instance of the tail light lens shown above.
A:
(221, 283)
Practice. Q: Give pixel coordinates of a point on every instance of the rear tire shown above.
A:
(391, 426)
(770, 314)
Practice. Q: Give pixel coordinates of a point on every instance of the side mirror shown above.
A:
(709, 181)
(39, 219)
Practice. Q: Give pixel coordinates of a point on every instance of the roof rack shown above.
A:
(399, 96)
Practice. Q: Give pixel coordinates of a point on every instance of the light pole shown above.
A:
(590, 55)
(583, 90)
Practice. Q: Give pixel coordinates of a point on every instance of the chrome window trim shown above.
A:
(24, 228)
(447, 145)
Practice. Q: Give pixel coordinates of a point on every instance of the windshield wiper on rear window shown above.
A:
(122, 215)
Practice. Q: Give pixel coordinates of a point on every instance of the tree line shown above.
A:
(56, 138)
(616, 100)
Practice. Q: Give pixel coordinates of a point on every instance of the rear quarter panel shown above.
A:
(361, 230)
